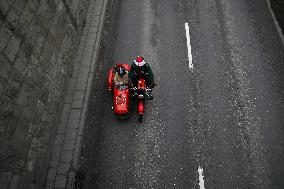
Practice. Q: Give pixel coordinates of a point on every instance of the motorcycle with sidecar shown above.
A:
(122, 94)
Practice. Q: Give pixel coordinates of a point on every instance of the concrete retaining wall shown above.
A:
(38, 40)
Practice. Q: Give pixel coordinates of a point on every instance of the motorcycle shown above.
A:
(121, 95)
(142, 93)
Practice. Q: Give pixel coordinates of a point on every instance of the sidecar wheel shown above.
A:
(140, 118)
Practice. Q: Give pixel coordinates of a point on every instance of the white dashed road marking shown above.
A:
(201, 178)
(190, 65)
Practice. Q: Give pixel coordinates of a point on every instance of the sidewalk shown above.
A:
(66, 150)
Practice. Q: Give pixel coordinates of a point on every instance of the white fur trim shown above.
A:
(140, 63)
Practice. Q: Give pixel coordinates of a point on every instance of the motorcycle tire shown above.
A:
(140, 118)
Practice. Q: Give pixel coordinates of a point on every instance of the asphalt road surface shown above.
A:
(220, 123)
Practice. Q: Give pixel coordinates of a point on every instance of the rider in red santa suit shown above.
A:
(140, 68)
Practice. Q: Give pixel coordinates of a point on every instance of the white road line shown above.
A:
(201, 178)
(190, 65)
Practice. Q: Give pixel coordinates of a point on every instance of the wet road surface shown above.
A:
(225, 115)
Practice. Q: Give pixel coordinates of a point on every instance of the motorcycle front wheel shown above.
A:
(140, 117)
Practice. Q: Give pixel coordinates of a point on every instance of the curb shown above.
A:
(88, 95)
(96, 48)
(63, 170)
(275, 22)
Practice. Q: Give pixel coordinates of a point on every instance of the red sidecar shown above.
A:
(121, 94)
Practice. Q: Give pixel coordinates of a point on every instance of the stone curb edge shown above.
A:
(96, 48)
(64, 164)
(280, 32)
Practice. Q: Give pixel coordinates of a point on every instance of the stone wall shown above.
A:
(38, 41)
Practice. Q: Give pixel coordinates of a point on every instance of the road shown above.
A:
(225, 116)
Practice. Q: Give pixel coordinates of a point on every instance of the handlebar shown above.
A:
(149, 87)
(135, 89)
